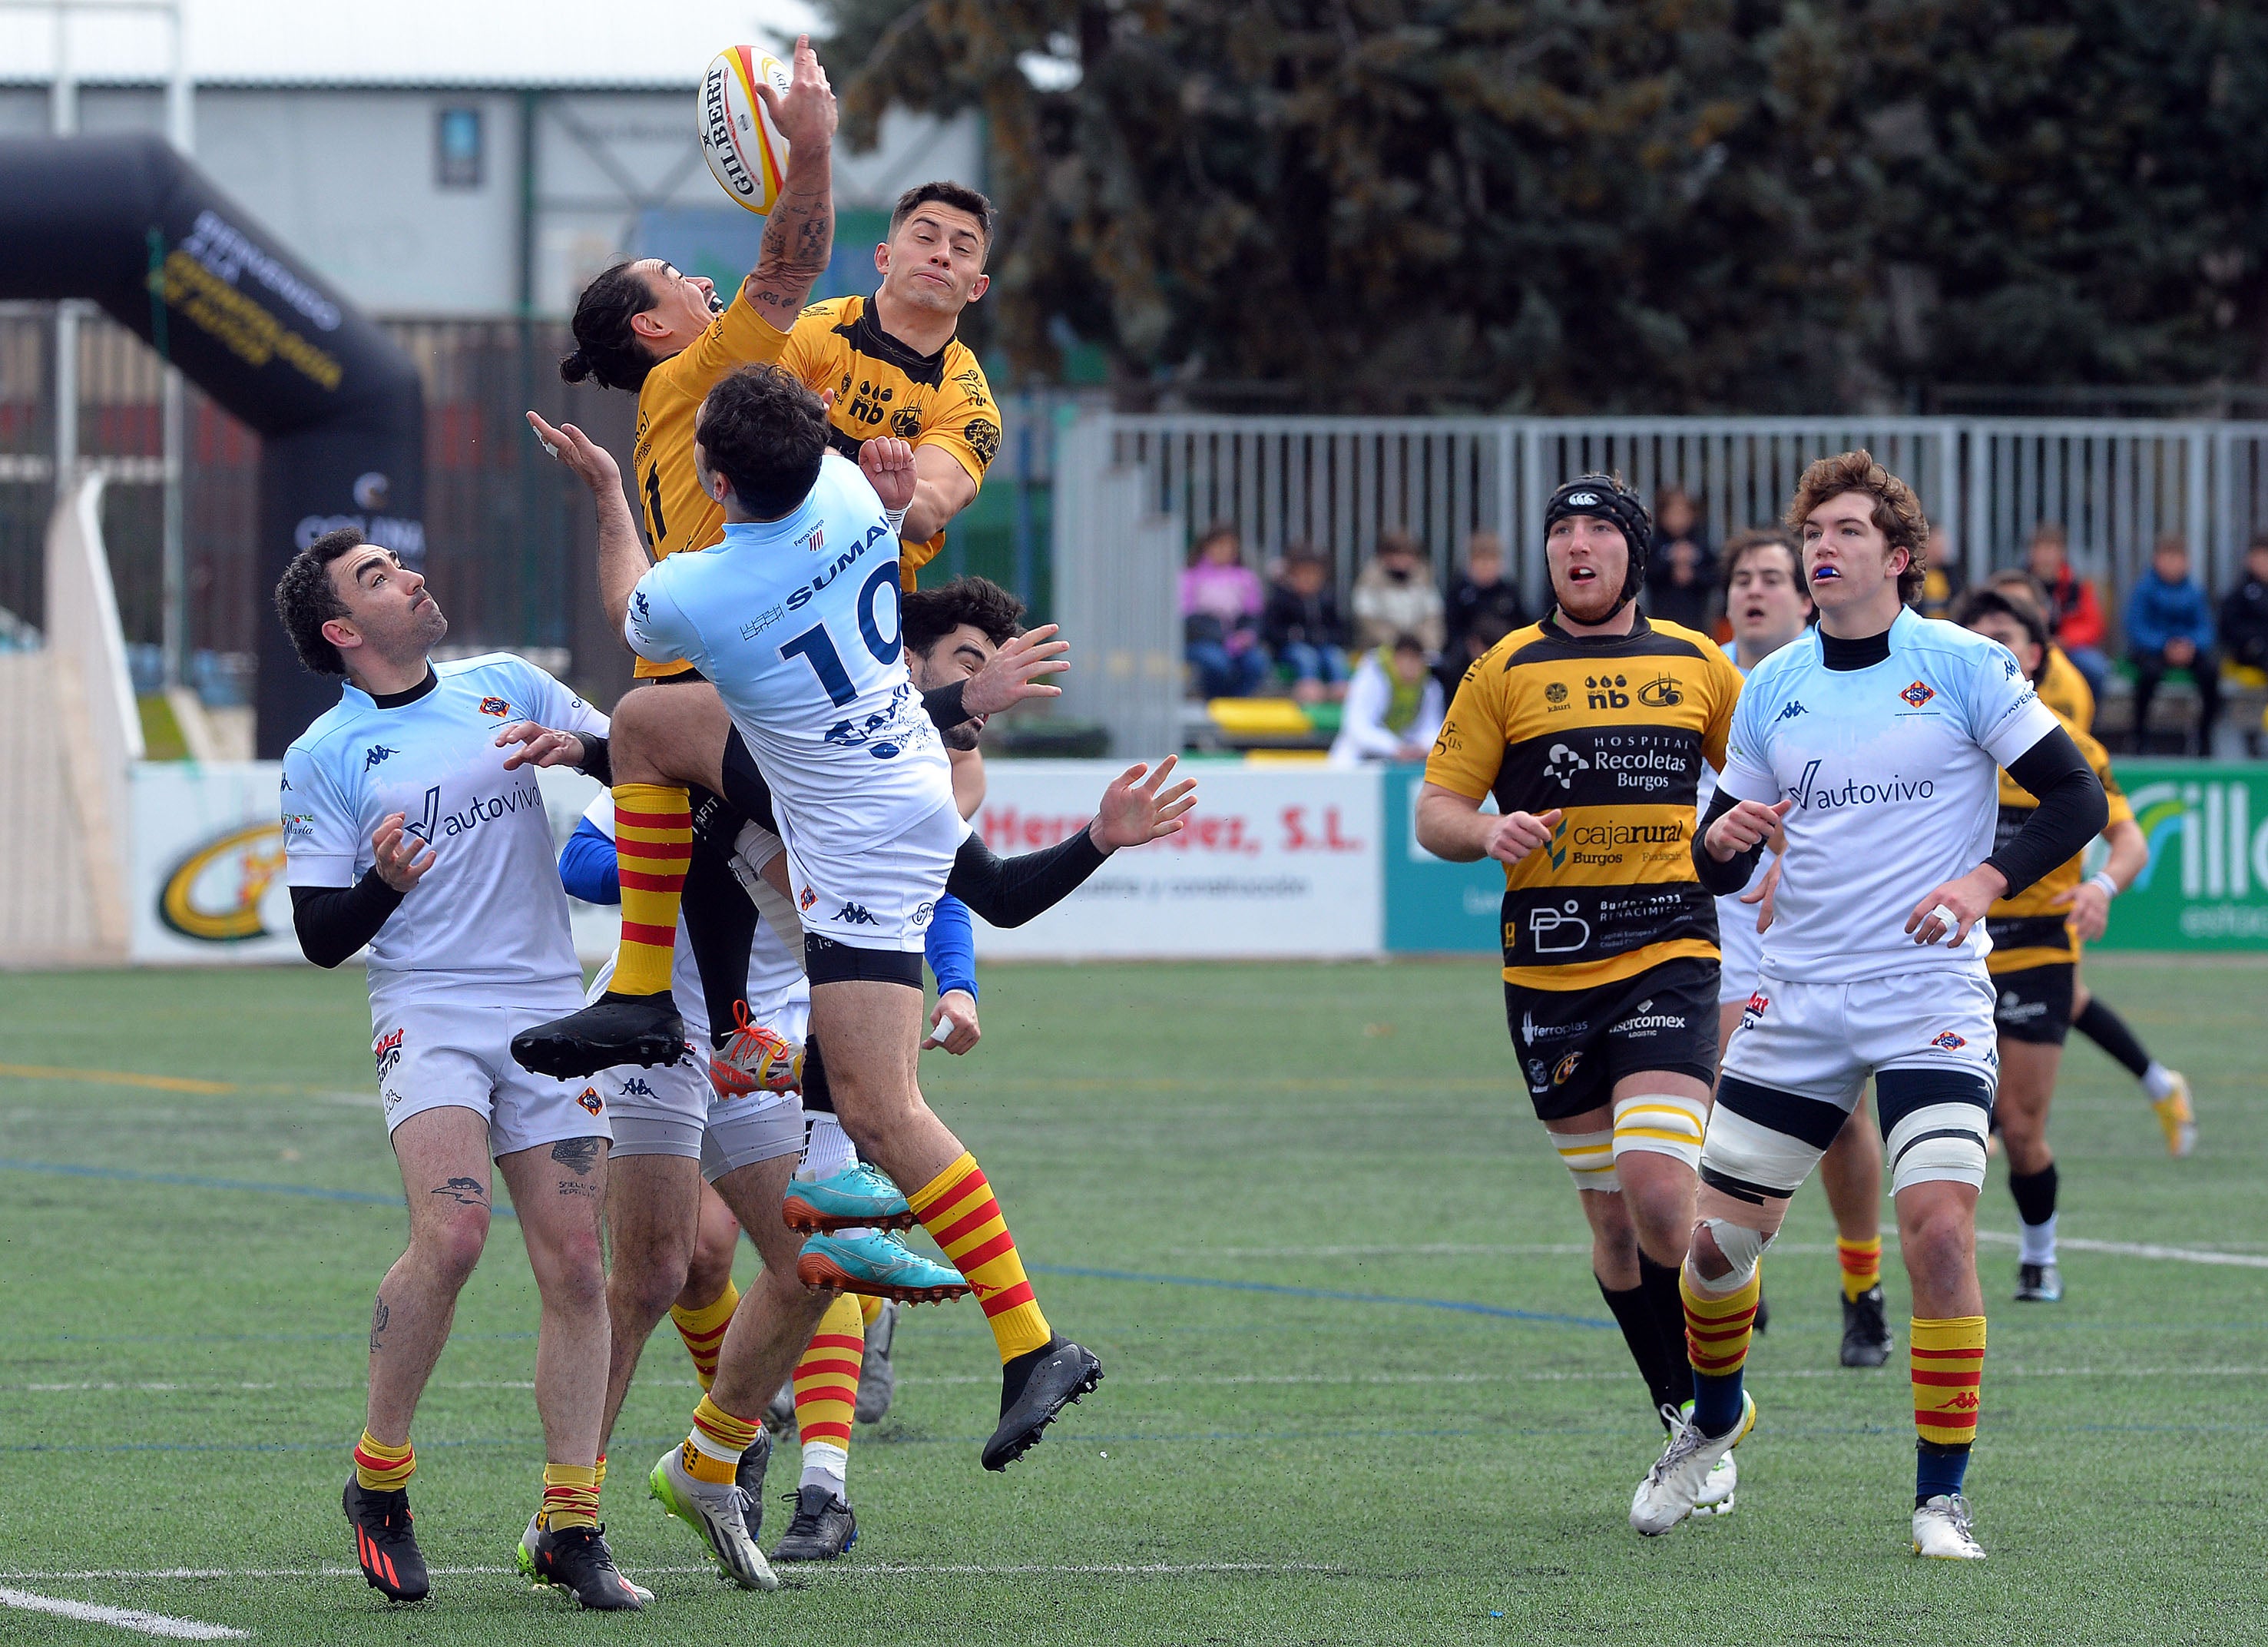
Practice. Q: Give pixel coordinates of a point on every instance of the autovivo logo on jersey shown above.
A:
(2205, 885)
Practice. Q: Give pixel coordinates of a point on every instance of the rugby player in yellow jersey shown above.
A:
(2035, 959)
(1590, 729)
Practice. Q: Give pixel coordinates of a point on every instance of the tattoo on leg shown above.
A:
(379, 1316)
(464, 1191)
(578, 1155)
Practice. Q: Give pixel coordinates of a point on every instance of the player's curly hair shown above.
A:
(1898, 509)
(929, 615)
(764, 432)
(305, 600)
(606, 347)
(1742, 544)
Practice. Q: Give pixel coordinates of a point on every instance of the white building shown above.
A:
(456, 158)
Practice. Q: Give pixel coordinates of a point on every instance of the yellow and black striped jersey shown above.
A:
(2029, 929)
(679, 515)
(883, 387)
(1612, 731)
(2064, 689)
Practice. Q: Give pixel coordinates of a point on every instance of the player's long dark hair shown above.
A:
(606, 347)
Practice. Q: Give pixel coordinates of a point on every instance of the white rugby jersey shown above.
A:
(1895, 773)
(775, 977)
(490, 914)
(1729, 907)
(796, 624)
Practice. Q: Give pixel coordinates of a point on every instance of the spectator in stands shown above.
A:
(1301, 625)
(1482, 592)
(1393, 706)
(2170, 626)
(2075, 616)
(1483, 632)
(1395, 595)
(1221, 617)
(2244, 611)
(1681, 573)
(1943, 578)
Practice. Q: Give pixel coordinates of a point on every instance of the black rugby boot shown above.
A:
(385, 1548)
(824, 1527)
(612, 1029)
(1035, 1388)
(1865, 1334)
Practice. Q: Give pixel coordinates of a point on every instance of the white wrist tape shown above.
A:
(2103, 880)
(897, 520)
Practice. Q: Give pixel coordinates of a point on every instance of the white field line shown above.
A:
(2141, 1249)
(881, 1570)
(125, 1618)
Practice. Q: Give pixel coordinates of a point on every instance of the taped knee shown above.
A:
(1763, 1143)
(1934, 1126)
(1590, 1158)
(1742, 1249)
(1661, 1124)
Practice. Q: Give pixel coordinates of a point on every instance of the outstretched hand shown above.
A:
(544, 746)
(805, 112)
(396, 850)
(592, 463)
(887, 462)
(1135, 812)
(1013, 674)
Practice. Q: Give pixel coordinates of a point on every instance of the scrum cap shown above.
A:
(1606, 498)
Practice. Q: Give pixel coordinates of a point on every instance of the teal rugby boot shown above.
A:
(859, 1197)
(877, 1265)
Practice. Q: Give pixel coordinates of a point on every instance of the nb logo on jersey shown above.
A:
(1918, 694)
(1606, 691)
(377, 755)
(1574, 763)
(1660, 693)
(871, 404)
(855, 915)
(636, 1087)
(1792, 710)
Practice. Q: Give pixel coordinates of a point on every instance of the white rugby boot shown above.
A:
(1941, 1528)
(1717, 1492)
(717, 1512)
(1683, 1475)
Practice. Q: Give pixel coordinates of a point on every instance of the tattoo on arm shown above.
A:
(379, 1315)
(464, 1191)
(578, 1155)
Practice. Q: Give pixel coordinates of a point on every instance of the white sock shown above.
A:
(2039, 1242)
(828, 1465)
(828, 1150)
(2157, 1080)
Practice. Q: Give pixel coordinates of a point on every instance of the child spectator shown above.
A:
(2074, 617)
(2170, 626)
(1392, 707)
(1482, 592)
(2244, 610)
(1220, 612)
(1681, 572)
(1302, 628)
(1395, 595)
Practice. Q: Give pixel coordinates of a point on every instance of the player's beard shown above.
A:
(964, 736)
(1591, 603)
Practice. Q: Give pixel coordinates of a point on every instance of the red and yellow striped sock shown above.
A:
(1948, 1375)
(1718, 1330)
(713, 1448)
(1862, 1265)
(869, 1307)
(703, 1330)
(599, 1484)
(571, 1496)
(827, 1389)
(957, 1208)
(381, 1468)
(654, 847)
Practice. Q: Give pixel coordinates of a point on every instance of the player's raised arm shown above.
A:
(622, 559)
(799, 232)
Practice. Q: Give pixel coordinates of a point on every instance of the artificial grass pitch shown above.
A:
(1359, 1384)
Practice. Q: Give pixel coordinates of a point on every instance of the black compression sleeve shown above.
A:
(596, 762)
(943, 705)
(2072, 811)
(1009, 891)
(1726, 878)
(332, 922)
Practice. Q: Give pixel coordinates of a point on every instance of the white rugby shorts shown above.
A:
(882, 897)
(757, 1126)
(1822, 1041)
(437, 1054)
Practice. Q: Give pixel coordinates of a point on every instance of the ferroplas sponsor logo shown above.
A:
(1894, 789)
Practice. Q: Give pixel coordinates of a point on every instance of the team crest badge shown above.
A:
(1918, 694)
(1948, 1041)
(1565, 1069)
(589, 1099)
(807, 899)
(495, 706)
(1556, 694)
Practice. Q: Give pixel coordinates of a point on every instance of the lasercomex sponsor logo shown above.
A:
(1897, 790)
(1646, 1020)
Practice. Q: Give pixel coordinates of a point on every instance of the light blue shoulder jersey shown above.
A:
(491, 913)
(1894, 770)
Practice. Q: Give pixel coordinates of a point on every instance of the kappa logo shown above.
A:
(855, 915)
(1562, 757)
(387, 1051)
(588, 1098)
(1792, 710)
(2008, 668)
(1606, 691)
(1948, 1041)
(377, 755)
(1555, 694)
(1661, 692)
(636, 1087)
(495, 706)
(1918, 693)
(638, 607)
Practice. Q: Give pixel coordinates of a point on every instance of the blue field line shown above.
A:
(1330, 1294)
(184, 1180)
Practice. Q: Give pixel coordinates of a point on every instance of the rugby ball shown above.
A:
(746, 153)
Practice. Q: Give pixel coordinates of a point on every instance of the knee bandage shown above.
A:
(1741, 1247)
(756, 847)
(1934, 1125)
(1590, 1158)
(827, 1147)
(1658, 1123)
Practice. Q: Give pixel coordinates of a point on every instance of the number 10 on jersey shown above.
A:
(816, 646)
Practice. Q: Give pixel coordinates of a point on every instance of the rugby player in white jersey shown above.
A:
(1873, 743)
(1767, 606)
(411, 825)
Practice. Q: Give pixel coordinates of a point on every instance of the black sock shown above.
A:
(1014, 1375)
(1635, 1316)
(2107, 1030)
(818, 1096)
(720, 924)
(2035, 1194)
(1667, 1304)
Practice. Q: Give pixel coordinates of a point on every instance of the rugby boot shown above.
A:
(753, 1058)
(824, 1527)
(1723, 1480)
(577, 1559)
(718, 1514)
(385, 1548)
(1867, 1339)
(750, 1477)
(877, 1265)
(780, 1412)
(2038, 1284)
(1942, 1528)
(2176, 1117)
(878, 1378)
(612, 1029)
(859, 1197)
(1675, 1483)
(1035, 1388)
(539, 1544)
